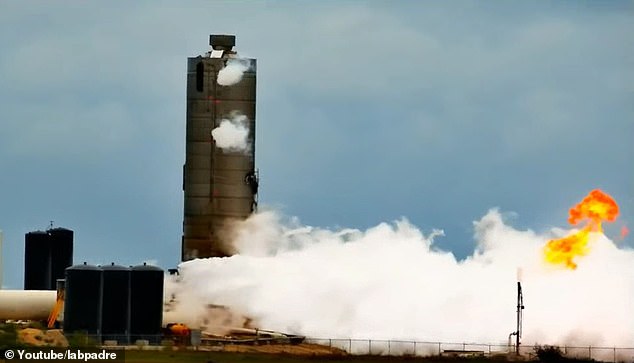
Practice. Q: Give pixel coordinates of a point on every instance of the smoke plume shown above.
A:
(232, 134)
(391, 282)
(233, 71)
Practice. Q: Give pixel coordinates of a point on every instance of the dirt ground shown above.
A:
(39, 338)
(303, 349)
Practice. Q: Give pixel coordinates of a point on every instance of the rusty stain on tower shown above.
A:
(220, 185)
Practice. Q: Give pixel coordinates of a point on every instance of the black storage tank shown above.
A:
(115, 311)
(37, 261)
(82, 300)
(61, 244)
(46, 256)
(146, 303)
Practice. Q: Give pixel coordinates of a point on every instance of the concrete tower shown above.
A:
(219, 176)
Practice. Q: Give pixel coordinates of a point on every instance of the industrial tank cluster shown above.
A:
(114, 302)
(111, 302)
(46, 255)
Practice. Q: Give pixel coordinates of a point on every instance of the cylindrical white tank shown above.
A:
(26, 304)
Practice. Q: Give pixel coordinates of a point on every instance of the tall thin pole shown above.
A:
(520, 307)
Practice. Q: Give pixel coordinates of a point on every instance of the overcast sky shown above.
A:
(367, 112)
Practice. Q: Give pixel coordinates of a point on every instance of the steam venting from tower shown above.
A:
(220, 182)
(233, 134)
(233, 71)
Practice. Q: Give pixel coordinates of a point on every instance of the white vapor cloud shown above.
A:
(390, 282)
(232, 134)
(233, 71)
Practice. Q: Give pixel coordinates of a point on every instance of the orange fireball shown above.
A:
(595, 208)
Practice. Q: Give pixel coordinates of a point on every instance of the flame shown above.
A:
(624, 232)
(594, 209)
(179, 329)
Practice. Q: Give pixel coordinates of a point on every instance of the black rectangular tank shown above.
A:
(61, 242)
(37, 261)
(146, 303)
(115, 310)
(82, 300)
(46, 256)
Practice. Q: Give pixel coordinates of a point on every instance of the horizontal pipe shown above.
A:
(37, 305)
(26, 304)
(249, 331)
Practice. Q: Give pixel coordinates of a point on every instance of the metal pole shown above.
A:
(590, 352)
(517, 336)
(520, 307)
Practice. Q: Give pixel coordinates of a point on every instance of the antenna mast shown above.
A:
(520, 308)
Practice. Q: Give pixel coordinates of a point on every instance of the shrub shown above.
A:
(81, 340)
(549, 353)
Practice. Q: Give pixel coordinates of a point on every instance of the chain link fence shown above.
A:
(411, 348)
(365, 346)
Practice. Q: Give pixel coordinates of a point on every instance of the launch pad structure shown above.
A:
(220, 185)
